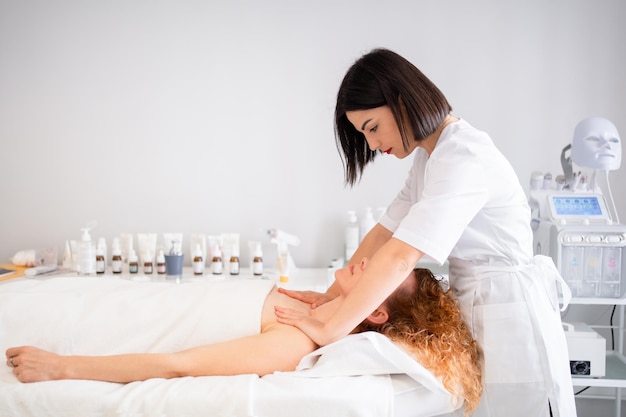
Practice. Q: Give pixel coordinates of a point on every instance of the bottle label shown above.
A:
(216, 267)
(147, 268)
(116, 266)
(198, 267)
(160, 268)
(100, 266)
(257, 268)
(234, 268)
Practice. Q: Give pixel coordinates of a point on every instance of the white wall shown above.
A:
(206, 116)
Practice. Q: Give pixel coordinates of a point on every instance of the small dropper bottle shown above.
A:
(100, 261)
(148, 266)
(217, 265)
(116, 259)
(133, 262)
(160, 261)
(257, 261)
(234, 261)
(198, 261)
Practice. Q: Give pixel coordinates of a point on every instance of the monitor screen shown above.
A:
(577, 206)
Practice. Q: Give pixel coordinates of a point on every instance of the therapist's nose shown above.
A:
(373, 144)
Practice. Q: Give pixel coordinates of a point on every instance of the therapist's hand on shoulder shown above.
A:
(314, 299)
(303, 321)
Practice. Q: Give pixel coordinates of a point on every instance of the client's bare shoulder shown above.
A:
(274, 298)
(299, 343)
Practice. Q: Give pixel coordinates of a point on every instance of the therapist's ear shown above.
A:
(379, 316)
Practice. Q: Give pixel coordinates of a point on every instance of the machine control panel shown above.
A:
(578, 208)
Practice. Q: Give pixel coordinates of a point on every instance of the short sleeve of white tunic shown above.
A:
(464, 201)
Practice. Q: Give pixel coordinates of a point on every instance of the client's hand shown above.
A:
(31, 364)
(315, 299)
(309, 325)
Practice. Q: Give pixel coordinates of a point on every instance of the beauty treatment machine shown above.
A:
(573, 224)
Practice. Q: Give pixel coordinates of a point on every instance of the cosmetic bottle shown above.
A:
(217, 265)
(102, 245)
(352, 235)
(367, 223)
(133, 262)
(86, 254)
(100, 261)
(257, 262)
(198, 261)
(116, 260)
(234, 261)
(148, 266)
(160, 261)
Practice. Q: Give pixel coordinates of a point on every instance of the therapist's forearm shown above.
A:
(385, 271)
(374, 239)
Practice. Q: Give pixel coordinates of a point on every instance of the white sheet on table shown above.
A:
(347, 378)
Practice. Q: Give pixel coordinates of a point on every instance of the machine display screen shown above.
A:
(577, 206)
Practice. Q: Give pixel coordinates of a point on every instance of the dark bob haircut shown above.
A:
(384, 78)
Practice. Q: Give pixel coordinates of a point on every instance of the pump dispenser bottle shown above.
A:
(86, 254)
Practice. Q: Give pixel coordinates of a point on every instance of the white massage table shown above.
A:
(361, 375)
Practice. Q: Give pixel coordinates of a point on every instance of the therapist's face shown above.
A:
(381, 130)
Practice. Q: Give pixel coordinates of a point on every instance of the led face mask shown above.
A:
(597, 144)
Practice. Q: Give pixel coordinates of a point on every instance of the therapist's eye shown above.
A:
(373, 129)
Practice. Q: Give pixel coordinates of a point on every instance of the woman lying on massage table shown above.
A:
(419, 316)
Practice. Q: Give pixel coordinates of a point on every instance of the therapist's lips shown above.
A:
(388, 151)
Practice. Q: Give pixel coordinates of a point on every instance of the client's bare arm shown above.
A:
(278, 348)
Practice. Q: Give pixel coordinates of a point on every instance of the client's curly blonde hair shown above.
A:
(427, 321)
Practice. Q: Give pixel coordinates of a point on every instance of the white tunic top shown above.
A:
(468, 193)
(464, 203)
